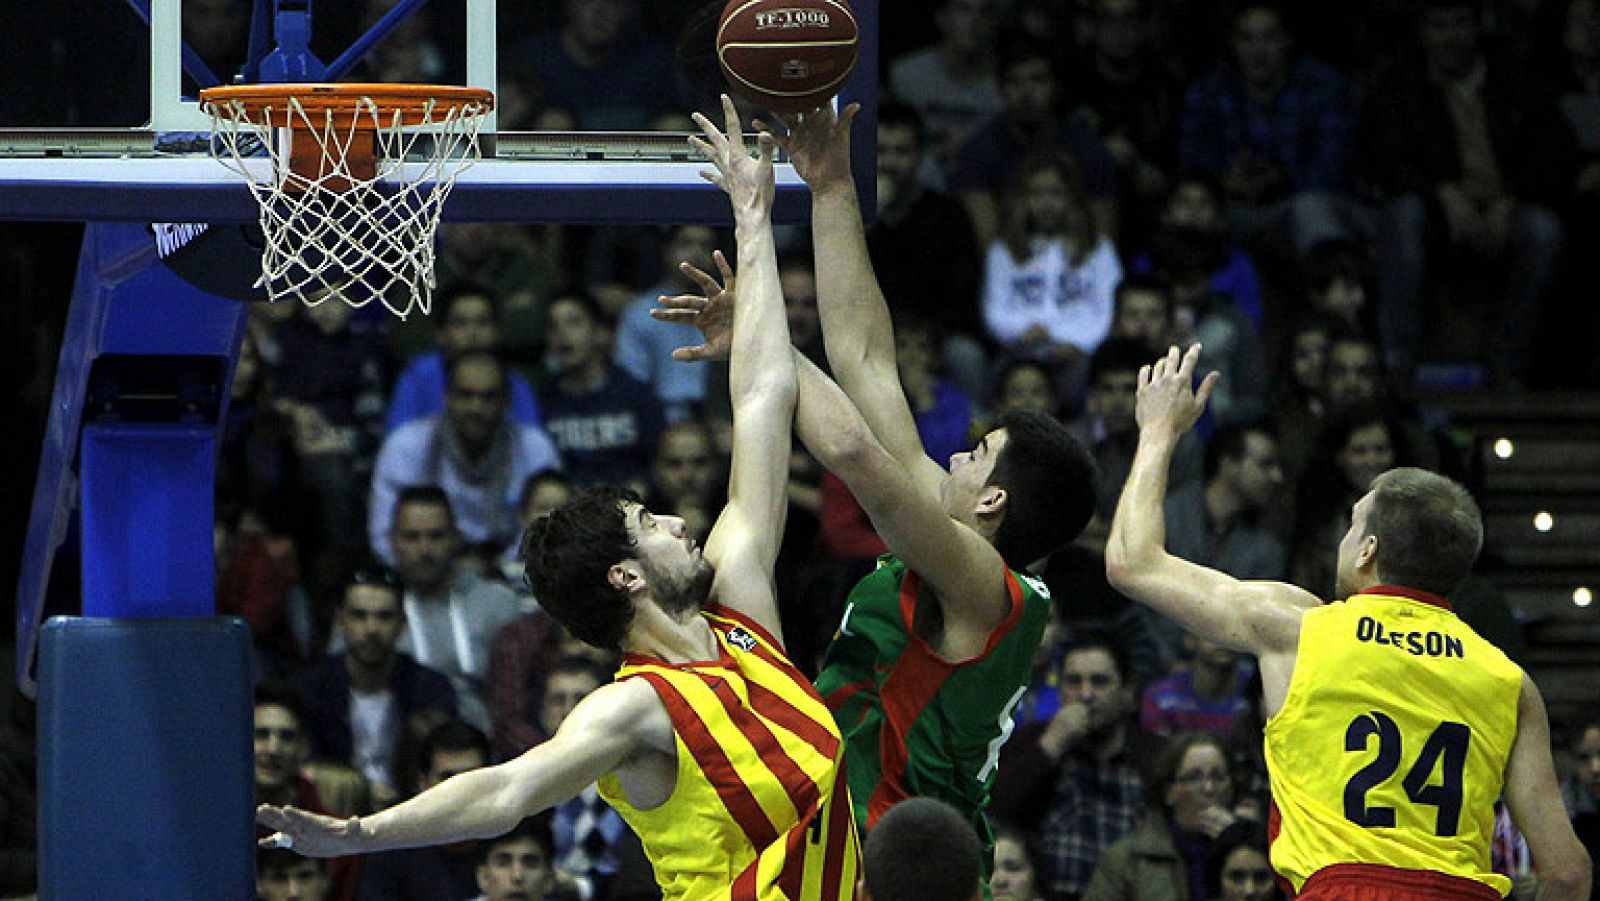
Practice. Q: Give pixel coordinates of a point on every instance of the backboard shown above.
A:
(591, 117)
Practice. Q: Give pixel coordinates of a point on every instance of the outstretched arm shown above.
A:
(1257, 617)
(856, 329)
(966, 572)
(607, 726)
(1534, 798)
(743, 544)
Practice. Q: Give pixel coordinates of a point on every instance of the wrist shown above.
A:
(836, 190)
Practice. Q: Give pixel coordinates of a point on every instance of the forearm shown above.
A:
(476, 804)
(829, 426)
(760, 358)
(855, 316)
(1138, 529)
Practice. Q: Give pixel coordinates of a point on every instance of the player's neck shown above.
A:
(675, 639)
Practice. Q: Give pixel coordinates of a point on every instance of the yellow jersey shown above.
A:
(1392, 743)
(760, 809)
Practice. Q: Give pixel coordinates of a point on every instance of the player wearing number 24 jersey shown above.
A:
(1392, 727)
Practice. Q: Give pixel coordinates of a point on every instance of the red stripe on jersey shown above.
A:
(800, 788)
(792, 879)
(744, 887)
(838, 696)
(838, 838)
(1275, 826)
(747, 622)
(771, 705)
(916, 677)
(709, 755)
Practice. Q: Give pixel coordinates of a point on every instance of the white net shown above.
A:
(339, 231)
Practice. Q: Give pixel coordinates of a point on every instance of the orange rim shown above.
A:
(414, 103)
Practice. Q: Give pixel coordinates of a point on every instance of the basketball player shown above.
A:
(710, 743)
(1393, 727)
(936, 645)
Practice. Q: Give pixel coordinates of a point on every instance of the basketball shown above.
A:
(788, 56)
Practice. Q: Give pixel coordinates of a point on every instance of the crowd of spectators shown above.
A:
(1321, 193)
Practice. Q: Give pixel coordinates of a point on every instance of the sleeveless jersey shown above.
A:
(759, 810)
(917, 726)
(1392, 743)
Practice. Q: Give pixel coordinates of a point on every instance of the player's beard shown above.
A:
(681, 592)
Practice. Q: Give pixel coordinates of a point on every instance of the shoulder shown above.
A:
(627, 707)
(413, 434)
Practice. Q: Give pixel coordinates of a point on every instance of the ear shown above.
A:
(861, 890)
(992, 501)
(624, 576)
(1367, 554)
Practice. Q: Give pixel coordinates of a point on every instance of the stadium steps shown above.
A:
(1536, 469)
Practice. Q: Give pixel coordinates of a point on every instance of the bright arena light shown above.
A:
(1503, 448)
(1543, 521)
(1582, 596)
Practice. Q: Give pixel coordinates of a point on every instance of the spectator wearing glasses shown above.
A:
(1165, 857)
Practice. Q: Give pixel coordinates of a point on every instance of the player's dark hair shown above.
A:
(922, 850)
(1164, 769)
(1050, 483)
(1428, 528)
(566, 556)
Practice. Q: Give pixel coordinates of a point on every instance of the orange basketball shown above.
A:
(789, 56)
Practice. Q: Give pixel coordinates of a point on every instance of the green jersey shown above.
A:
(915, 725)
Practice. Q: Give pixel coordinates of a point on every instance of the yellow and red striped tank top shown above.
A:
(1392, 743)
(761, 808)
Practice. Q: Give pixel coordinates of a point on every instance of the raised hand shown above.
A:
(710, 312)
(310, 834)
(748, 181)
(1167, 400)
(818, 143)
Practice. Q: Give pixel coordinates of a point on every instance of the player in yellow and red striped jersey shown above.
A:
(710, 743)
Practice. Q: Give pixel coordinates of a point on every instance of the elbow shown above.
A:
(845, 449)
(774, 387)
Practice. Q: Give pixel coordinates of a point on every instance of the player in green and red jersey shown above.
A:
(936, 645)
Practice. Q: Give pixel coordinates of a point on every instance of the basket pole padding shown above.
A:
(146, 779)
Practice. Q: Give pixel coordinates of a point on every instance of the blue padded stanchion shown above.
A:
(146, 780)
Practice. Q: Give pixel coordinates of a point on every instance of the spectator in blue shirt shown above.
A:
(1275, 127)
(467, 323)
(604, 421)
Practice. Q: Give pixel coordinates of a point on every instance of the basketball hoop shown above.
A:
(342, 212)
